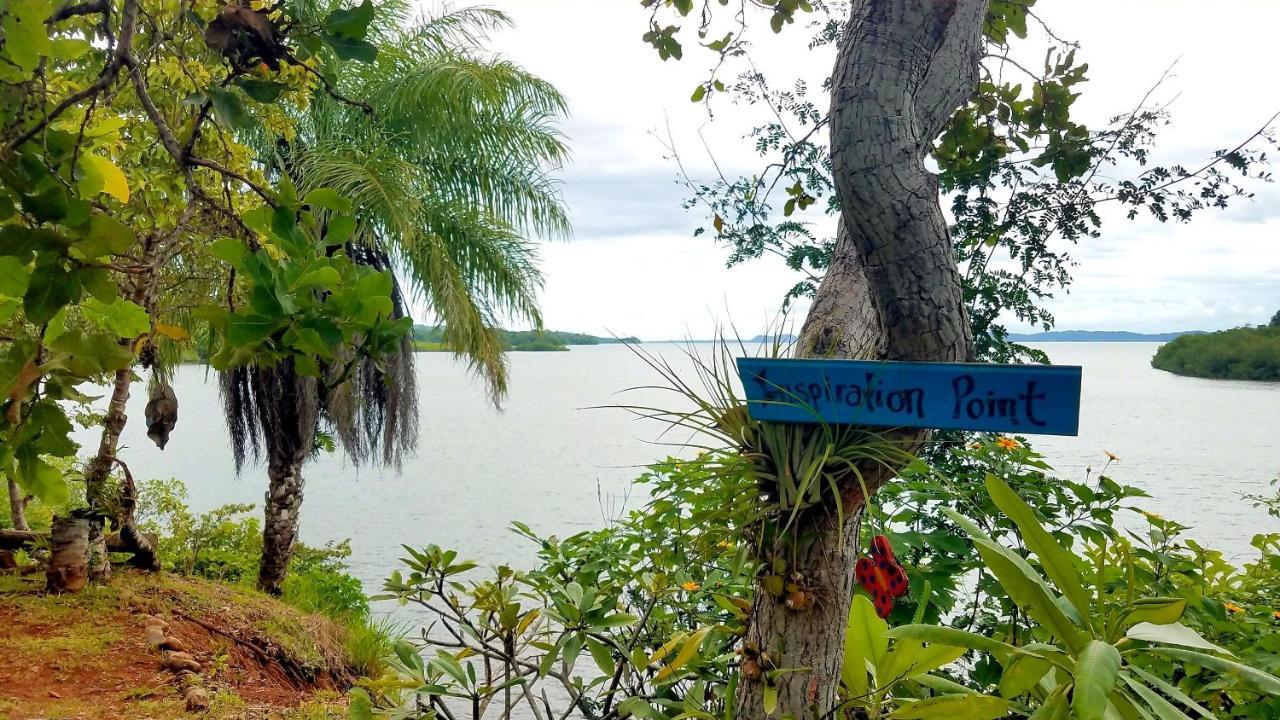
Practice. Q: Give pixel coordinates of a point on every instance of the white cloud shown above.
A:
(634, 267)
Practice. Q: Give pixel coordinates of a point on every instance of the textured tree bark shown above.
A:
(98, 469)
(892, 292)
(68, 569)
(17, 506)
(283, 502)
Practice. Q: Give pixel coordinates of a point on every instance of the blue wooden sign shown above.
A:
(1023, 399)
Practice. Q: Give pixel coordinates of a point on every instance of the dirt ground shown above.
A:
(85, 655)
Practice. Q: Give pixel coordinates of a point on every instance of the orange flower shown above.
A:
(1276, 614)
(1111, 456)
(1233, 608)
(725, 544)
(691, 586)
(1007, 444)
(976, 446)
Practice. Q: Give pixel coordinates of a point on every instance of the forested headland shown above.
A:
(1244, 353)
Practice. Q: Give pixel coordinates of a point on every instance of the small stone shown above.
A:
(187, 679)
(180, 661)
(154, 636)
(197, 699)
(153, 621)
(173, 643)
(54, 694)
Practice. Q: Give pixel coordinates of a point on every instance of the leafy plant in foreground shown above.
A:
(1089, 654)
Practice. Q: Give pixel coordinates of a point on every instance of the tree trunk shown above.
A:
(893, 291)
(68, 569)
(98, 469)
(283, 502)
(17, 506)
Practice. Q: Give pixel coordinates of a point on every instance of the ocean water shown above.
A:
(549, 459)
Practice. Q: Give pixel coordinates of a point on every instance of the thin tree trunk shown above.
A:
(280, 532)
(17, 506)
(98, 469)
(893, 291)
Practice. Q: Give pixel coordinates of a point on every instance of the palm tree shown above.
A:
(450, 178)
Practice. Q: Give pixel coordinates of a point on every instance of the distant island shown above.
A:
(1245, 353)
(1099, 336)
(430, 338)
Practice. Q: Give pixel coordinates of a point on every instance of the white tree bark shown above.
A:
(893, 291)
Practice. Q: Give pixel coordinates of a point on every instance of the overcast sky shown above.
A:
(633, 266)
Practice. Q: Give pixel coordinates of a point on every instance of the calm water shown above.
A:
(1195, 445)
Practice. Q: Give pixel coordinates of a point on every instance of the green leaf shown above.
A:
(953, 637)
(338, 229)
(103, 236)
(327, 199)
(14, 277)
(263, 91)
(1173, 692)
(698, 93)
(1257, 679)
(1172, 634)
(1021, 673)
(687, 652)
(959, 706)
(1163, 709)
(100, 175)
(1028, 591)
(352, 48)
(229, 250)
(350, 23)
(124, 318)
(1058, 564)
(1160, 611)
(90, 353)
(50, 288)
(43, 480)
(359, 705)
(909, 658)
(770, 699)
(617, 620)
(250, 329)
(227, 108)
(601, 656)
(69, 48)
(866, 639)
(325, 277)
(26, 39)
(98, 283)
(1055, 707)
(1097, 671)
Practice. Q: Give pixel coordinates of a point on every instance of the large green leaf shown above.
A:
(14, 277)
(953, 637)
(1173, 692)
(352, 48)
(350, 22)
(227, 108)
(1172, 634)
(1160, 610)
(1022, 672)
(1252, 677)
(953, 707)
(1058, 564)
(866, 639)
(1162, 708)
(1028, 592)
(1055, 707)
(911, 657)
(122, 317)
(50, 288)
(1097, 671)
(90, 354)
